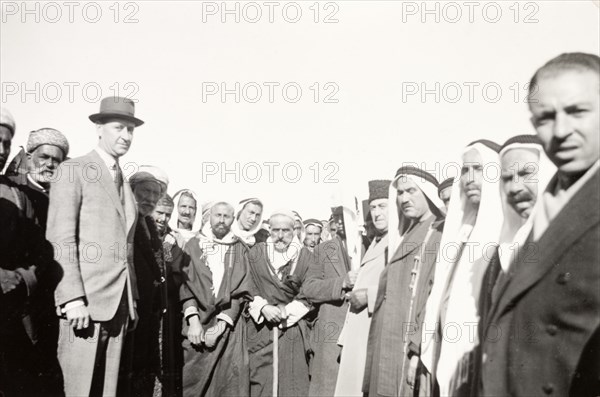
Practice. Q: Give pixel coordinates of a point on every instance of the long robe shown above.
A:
(323, 286)
(294, 344)
(140, 360)
(223, 369)
(172, 351)
(355, 334)
(24, 249)
(394, 333)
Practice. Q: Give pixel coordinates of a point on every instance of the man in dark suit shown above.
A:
(91, 222)
(543, 335)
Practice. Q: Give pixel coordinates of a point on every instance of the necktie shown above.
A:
(118, 180)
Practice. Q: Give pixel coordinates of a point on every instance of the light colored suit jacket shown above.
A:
(92, 234)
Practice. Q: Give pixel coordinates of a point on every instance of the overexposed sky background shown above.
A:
(373, 54)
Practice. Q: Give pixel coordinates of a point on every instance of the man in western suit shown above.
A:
(543, 334)
(91, 222)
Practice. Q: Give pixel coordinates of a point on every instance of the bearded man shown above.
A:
(172, 241)
(216, 286)
(140, 363)
(278, 270)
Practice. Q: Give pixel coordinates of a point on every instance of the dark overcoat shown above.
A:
(543, 334)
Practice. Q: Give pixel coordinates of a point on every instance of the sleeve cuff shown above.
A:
(295, 311)
(190, 311)
(72, 305)
(255, 307)
(226, 318)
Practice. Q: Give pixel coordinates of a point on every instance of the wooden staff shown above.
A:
(275, 360)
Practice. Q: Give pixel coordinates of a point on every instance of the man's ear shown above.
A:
(99, 130)
(29, 155)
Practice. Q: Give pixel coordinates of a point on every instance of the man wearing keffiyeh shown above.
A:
(415, 228)
(248, 220)
(471, 233)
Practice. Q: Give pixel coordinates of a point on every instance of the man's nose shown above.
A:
(562, 126)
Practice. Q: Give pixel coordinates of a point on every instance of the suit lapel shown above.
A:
(375, 250)
(107, 182)
(537, 259)
(412, 240)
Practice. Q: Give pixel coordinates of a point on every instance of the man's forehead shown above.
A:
(520, 153)
(118, 122)
(557, 89)
(187, 200)
(405, 182)
(164, 208)
(281, 222)
(222, 209)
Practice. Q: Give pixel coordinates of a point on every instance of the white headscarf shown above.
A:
(515, 228)
(481, 231)
(214, 250)
(397, 223)
(247, 236)
(197, 222)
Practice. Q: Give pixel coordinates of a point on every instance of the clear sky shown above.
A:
(360, 113)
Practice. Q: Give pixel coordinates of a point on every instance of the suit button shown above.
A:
(552, 329)
(548, 388)
(563, 278)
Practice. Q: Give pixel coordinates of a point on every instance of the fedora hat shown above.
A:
(116, 108)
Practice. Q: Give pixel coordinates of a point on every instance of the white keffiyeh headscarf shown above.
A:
(196, 222)
(480, 230)
(246, 236)
(515, 228)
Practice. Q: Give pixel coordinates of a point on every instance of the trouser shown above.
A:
(90, 357)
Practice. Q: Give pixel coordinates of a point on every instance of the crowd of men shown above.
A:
(476, 286)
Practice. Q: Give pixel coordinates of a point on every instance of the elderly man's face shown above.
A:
(42, 163)
(282, 231)
(379, 214)
(445, 195)
(147, 194)
(411, 200)
(162, 216)
(313, 236)
(471, 177)
(115, 136)
(566, 115)
(249, 215)
(520, 179)
(5, 143)
(221, 218)
(186, 209)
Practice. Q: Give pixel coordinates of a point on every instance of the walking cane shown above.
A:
(275, 360)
